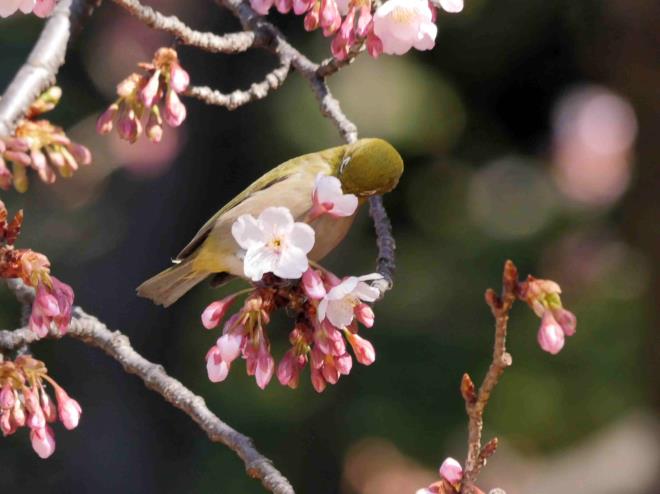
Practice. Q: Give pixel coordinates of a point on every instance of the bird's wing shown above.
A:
(310, 162)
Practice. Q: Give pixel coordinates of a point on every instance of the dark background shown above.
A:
(529, 133)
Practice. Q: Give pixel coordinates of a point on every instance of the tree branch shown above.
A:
(475, 403)
(213, 43)
(39, 71)
(257, 91)
(93, 332)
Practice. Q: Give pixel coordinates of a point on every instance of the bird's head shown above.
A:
(370, 166)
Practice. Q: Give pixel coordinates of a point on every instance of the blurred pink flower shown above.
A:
(405, 24)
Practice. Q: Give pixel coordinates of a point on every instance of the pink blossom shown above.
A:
(329, 198)
(53, 304)
(273, 243)
(313, 17)
(43, 441)
(363, 349)
(261, 6)
(43, 8)
(365, 314)
(265, 367)
(50, 412)
(68, 409)
(302, 6)
(216, 368)
(566, 319)
(104, 123)
(313, 284)
(317, 380)
(451, 471)
(283, 6)
(340, 302)
(7, 397)
(175, 111)
(179, 78)
(330, 18)
(550, 335)
(149, 92)
(405, 24)
(230, 345)
(40, 8)
(216, 311)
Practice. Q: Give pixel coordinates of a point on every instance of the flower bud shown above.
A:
(229, 345)
(311, 22)
(216, 311)
(302, 6)
(566, 319)
(175, 111)
(6, 397)
(149, 92)
(363, 349)
(451, 470)
(216, 368)
(313, 284)
(179, 78)
(104, 123)
(283, 6)
(365, 314)
(43, 441)
(261, 6)
(550, 335)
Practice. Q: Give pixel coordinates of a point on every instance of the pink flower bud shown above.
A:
(365, 314)
(43, 441)
(288, 370)
(265, 368)
(302, 6)
(216, 368)
(104, 123)
(330, 372)
(451, 471)
(330, 19)
(550, 335)
(566, 319)
(6, 425)
(363, 349)
(313, 284)
(18, 414)
(261, 6)
(81, 153)
(43, 8)
(36, 419)
(374, 45)
(50, 412)
(344, 364)
(229, 345)
(364, 23)
(149, 91)
(216, 311)
(6, 397)
(129, 126)
(311, 22)
(175, 111)
(68, 409)
(317, 380)
(283, 6)
(179, 78)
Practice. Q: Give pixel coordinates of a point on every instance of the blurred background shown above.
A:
(529, 133)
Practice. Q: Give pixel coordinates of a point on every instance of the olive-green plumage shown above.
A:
(365, 168)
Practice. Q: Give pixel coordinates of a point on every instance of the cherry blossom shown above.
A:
(451, 470)
(451, 6)
(273, 243)
(340, 303)
(329, 198)
(404, 24)
(40, 8)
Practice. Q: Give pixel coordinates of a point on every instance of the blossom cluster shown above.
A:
(556, 322)
(393, 27)
(25, 402)
(54, 299)
(40, 146)
(326, 309)
(154, 95)
(40, 8)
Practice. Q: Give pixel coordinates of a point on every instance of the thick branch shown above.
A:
(93, 332)
(227, 43)
(476, 402)
(257, 91)
(39, 71)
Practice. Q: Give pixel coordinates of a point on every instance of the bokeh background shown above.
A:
(530, 133)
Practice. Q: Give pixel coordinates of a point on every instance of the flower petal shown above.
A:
(302, 236)
(340, 313)
(260, 260)
(246, 232)
(275, 219)
(292, 263)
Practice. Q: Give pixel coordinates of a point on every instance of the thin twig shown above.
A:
(476, 402)
(39, 71)
(235, 99)
(210, 42)
(93, 332)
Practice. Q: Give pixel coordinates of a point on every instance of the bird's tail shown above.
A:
(169, 286)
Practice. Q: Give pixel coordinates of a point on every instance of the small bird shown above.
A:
(367, 167)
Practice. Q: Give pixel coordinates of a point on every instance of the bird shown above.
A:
(366, 167)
